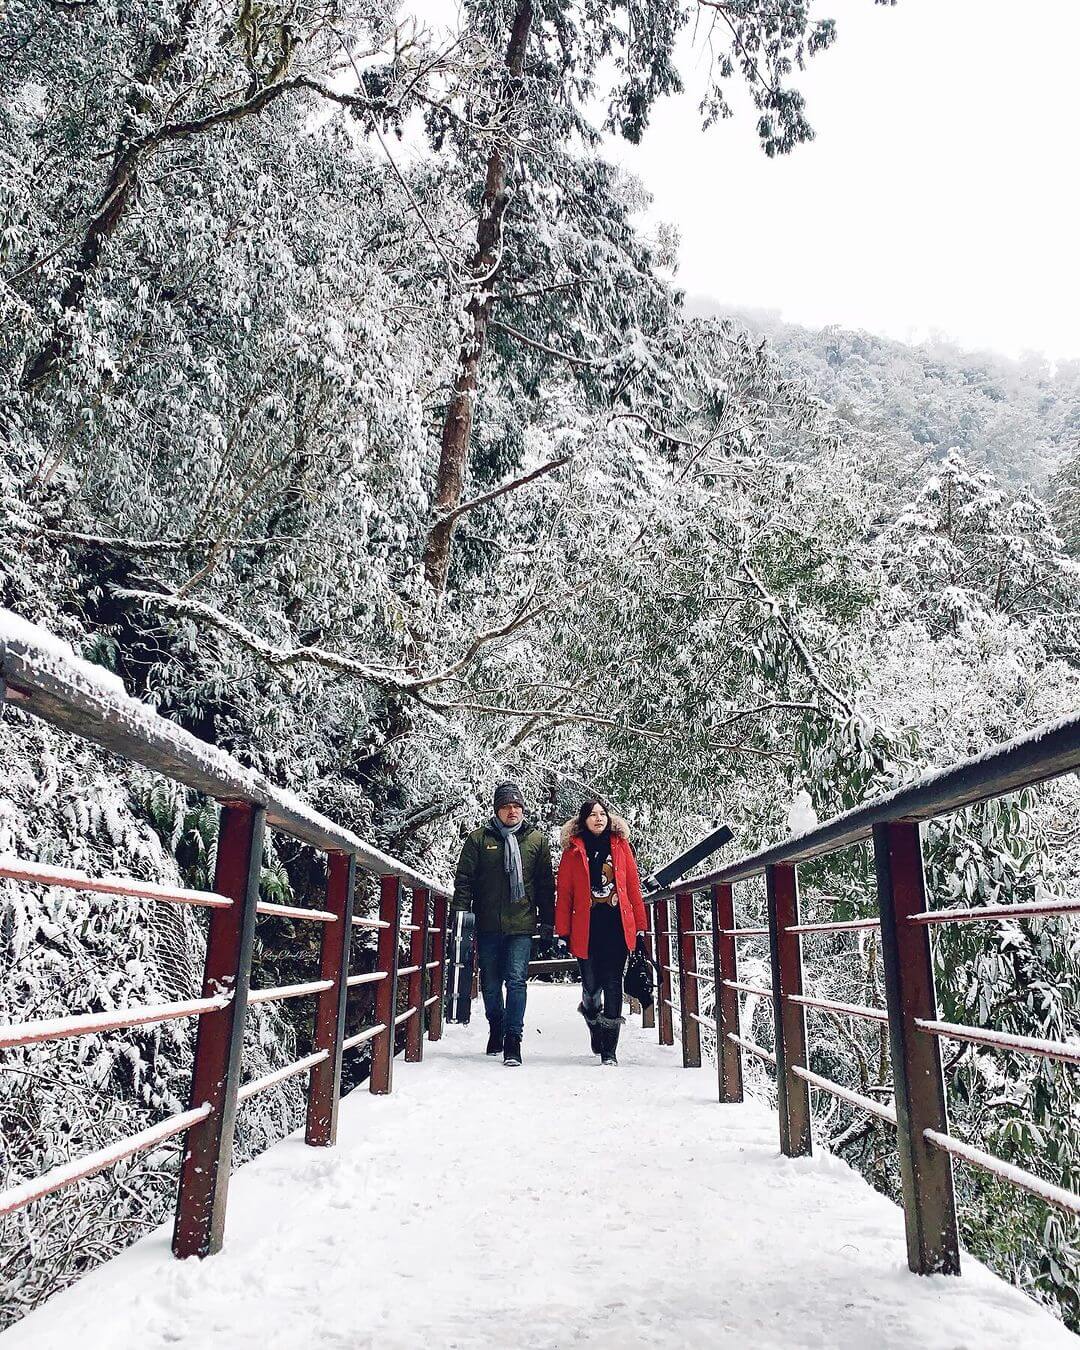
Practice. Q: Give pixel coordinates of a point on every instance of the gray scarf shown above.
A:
(511, 858)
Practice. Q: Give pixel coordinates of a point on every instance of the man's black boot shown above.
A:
(495, 1039)
(512, 1049)
(592, 1021)
(609, 1039)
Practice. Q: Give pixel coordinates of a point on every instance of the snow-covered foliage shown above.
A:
(1017, 418)
(232, 315)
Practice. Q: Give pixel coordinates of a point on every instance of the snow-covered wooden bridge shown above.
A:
(561, 1203)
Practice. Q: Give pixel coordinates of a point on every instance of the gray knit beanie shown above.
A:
(505, 793)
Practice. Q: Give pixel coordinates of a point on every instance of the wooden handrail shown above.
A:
(920, 1114)
(41, 678)
(71, 695)
(1047, 752)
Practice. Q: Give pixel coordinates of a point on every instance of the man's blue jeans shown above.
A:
(504, 959)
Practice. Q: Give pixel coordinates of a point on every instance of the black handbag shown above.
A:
(638, 980)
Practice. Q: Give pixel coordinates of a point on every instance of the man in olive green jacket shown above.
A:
(504, 876)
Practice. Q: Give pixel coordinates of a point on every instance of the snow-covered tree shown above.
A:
(675, 568)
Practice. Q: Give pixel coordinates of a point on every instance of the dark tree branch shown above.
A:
(593, 719)
(549, 351)
(475, 502)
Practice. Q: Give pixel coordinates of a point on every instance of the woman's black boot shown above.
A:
(609, 1039)
(592, 1021)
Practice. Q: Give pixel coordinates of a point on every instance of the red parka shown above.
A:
(573, 894)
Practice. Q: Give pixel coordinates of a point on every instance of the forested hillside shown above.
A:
(395, 474)
(1018, 419)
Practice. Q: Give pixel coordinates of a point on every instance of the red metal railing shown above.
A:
(33, 680)
(926, 1148)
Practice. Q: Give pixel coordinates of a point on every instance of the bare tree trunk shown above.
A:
(457, 428)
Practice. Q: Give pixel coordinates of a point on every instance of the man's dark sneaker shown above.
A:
(512, 1049)
(495, 1041)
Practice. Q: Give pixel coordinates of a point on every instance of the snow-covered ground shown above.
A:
(559, 1204)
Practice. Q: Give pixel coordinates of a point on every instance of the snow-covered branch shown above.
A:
(281, 658)
(549, 351)
(802, 651)
(151, 547)
(391, 680)
(485, 498)
(673, 734)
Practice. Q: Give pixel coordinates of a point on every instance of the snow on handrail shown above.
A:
(839, 926)
(41, 674)
(408, 970)
(404, 1017)
(373, 977)
(1027, 1181)
(879, 1109)
(747, 988)
(351, 1042)
(743, 932)
(42, 874)
(283, 991)
(15, 1197)
(752, 1048)
(1033, 909)
(86, 1024)
(847, 1009)
(1065, 1052)
(361, 922)
(269, 1080)
(295, 912)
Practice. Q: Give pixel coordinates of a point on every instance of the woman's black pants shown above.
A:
(602, 973)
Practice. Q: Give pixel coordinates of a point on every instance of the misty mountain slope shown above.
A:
(1019, 419)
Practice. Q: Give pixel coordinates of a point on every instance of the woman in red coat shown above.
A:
(598, 909)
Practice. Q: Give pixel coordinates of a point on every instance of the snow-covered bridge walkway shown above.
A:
(559, 1204)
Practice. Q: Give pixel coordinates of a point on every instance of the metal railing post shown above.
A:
(386, 961)
(452, 961)
(688, 985)
(662, 942)
(648, 1015)
(785, 949)
(726, 967)
(438, 953)
(324, 1082)
(206, 1161)
(925, 1172)
(460, 963)
(414, 1027)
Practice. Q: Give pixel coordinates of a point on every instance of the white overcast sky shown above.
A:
(939, 196)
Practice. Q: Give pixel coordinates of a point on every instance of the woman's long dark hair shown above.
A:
(585, 811)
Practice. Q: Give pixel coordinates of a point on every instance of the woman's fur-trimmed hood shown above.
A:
(569, 831)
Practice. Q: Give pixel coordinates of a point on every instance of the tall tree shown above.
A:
(537, 102)
(482, 273)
